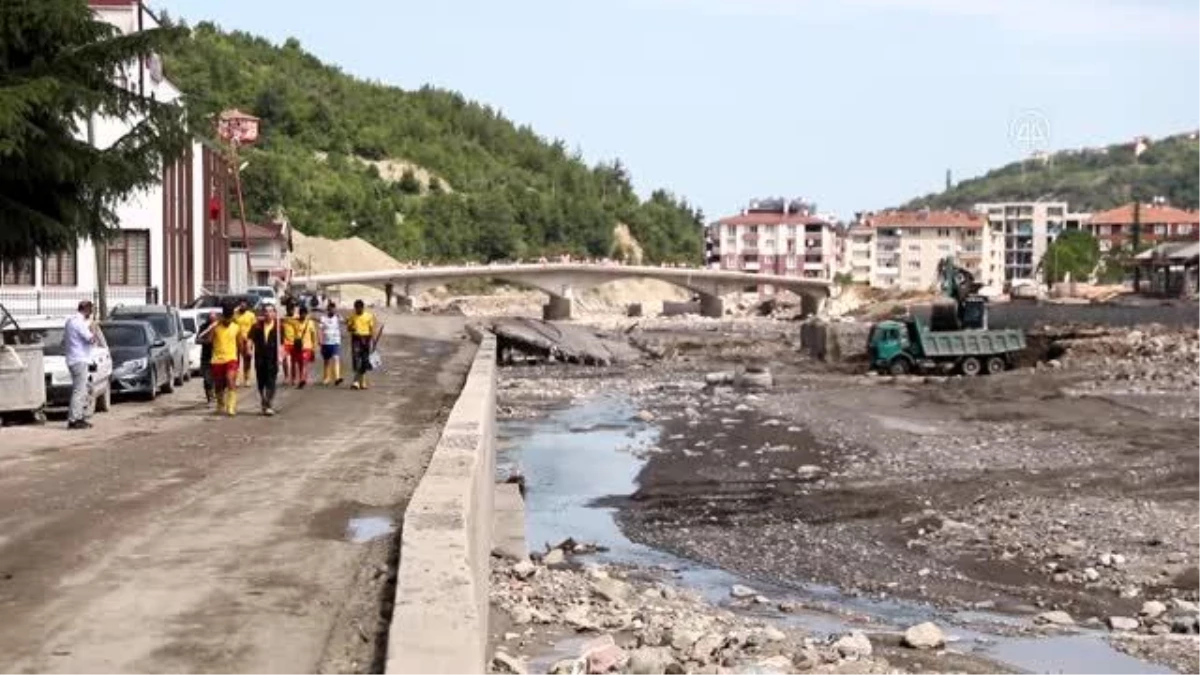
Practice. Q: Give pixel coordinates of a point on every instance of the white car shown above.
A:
(48, 331)
(192, 320)
(265, 294)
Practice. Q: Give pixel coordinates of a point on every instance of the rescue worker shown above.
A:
(364, 336)
(264, 338)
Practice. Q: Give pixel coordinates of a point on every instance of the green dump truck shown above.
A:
(899, 347)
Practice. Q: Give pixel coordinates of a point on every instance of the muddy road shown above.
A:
(207, 544)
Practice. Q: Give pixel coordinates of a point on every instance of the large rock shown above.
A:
(612, 590)
(742, 592)
(504, 663)
(651, 660)
(924, 636)
(855, 645)
(704, 648)
(1152, 609)
(1056, 618)
(1122, 623)
(554, 556)
(603, 655)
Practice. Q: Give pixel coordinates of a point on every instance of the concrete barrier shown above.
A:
(440, 620)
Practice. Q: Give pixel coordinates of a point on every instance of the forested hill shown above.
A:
(1089, 180)
(459, 181)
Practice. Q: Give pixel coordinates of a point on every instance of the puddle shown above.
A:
(365, 528)
(574, 458)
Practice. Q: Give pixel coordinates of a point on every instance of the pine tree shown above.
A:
(59, 66)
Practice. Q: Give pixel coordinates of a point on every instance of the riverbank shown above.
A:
(995, 502)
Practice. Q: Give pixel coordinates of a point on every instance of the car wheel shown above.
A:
(169, 383)
(179, 374)
(153, 393)
(104, 401)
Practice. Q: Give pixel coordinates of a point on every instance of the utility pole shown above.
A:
(100, 244)
(1137, 242)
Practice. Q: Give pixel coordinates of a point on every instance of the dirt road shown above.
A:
(206, 544)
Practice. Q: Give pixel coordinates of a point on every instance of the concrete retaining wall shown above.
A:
(834, 341)
(440, 621)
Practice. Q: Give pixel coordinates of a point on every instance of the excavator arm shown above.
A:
(959, 285)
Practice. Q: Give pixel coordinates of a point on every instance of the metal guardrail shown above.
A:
(62, 301)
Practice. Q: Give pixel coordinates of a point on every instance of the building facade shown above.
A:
(170, 242)
(1158, 222)
(259, 256)
(902, 249)
(1029, 228)
(777, 237)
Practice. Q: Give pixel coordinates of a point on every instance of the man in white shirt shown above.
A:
(78, 338)
(331, 346)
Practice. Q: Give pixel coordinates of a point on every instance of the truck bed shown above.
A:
(971, 342)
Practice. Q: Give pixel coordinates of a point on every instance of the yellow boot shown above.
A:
(231, 402)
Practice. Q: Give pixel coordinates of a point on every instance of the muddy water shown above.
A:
(577, 456)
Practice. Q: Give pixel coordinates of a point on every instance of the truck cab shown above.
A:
(888, 345)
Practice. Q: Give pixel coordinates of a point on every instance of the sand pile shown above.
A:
(317, 255)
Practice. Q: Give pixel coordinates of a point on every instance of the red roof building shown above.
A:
(776, 237)
(1158, 223)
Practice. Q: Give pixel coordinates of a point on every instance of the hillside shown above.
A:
(1089, 180)
(325, 134)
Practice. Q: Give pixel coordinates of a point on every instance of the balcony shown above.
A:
(751, 266)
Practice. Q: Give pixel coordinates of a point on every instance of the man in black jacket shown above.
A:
(265, 335)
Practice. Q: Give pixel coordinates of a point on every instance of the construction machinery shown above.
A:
(956, 339)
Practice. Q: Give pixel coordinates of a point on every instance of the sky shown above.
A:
(852, 104)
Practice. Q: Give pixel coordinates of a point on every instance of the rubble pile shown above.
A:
(635, 626)
(1165, 357)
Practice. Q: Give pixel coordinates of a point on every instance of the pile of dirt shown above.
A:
(625, 247)
(317, 255)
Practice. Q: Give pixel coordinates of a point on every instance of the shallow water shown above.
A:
(577, 455)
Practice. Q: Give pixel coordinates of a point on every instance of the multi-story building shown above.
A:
(171, 238)
(902, 249)
(777, 237)
(1159, 223)
(1029, 228)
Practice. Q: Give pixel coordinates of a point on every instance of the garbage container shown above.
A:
(22, 378)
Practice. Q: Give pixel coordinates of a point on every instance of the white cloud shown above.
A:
(1135, 20)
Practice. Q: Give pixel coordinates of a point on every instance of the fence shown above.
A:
(63, 301)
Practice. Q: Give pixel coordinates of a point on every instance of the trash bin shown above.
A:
(22, 378)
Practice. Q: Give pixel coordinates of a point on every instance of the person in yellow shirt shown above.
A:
(288, 330)
(228, 344)
(304, 342)
(245, 319)
(364, 336)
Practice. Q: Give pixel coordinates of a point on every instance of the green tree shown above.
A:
(59, 65)
(1074, 252)
(408, 182)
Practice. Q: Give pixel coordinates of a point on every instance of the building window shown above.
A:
(129, 258)
(753, 229)
(943, 232)
(1185, 228)
(16, 272)
(944, 248)
(914, 248)
(1160, 229)
(59, 269)
(914, 264)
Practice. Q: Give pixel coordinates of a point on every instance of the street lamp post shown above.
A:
(237, 128)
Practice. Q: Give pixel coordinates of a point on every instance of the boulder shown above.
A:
(1152, 609)
(611, 590)
(603, 655)
(503, 663)
(554, 556)
(924, 636)
(1122, 623)
(855, 645)
(742, 592)
(1056, 618)
(650, 660)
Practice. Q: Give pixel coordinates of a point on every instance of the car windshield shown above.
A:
(162, 323)
(189, 324)
(262, 292)
(124, 336)
(49, 338)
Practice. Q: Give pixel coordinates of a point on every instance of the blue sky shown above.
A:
(857, 104)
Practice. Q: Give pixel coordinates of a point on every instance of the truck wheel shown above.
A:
(898, 367)
(995, 365)
(970, 366)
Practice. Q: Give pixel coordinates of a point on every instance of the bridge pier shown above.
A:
(405, 303)
(711, 306)
(557, 309)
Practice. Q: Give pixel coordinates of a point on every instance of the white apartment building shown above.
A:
(1029, 228)
(171, 240)
(902, 249)
(777, 237)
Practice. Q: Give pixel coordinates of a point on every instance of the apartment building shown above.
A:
(777, 237)
(902, 249)
(1029, 228)
(171, 239)
(1159, 223)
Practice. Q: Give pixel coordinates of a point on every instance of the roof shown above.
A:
(254, 231)
(1175, 251)
(772, 218)
(1150, 214)
(925, 218)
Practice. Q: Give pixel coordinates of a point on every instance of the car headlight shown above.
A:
(132, 366)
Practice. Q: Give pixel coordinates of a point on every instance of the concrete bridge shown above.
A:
(561, 281)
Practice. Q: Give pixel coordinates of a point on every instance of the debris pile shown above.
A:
(1165, 357)
(635, 626)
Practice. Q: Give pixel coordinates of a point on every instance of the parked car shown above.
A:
(48, 332)
(192, 320)
(169, 326)
(142, 359)
(265, 294)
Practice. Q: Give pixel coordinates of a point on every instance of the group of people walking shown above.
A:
(239, 344)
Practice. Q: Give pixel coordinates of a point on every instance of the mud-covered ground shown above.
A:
(1069, 487)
